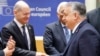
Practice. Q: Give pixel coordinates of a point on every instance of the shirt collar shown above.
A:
(62, 25)
(18, 23)
(74, 29)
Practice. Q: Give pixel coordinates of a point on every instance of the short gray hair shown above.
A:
(79, 7)
(60, 5)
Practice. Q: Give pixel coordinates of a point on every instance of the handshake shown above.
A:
(10, 47)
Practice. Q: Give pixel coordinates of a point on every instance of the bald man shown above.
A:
(21, 31)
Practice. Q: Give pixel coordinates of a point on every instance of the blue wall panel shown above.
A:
(39, 18)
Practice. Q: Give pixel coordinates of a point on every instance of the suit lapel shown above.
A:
(71, 40)
(74, 36)
(30, 34)
(19, 34)
(60, 31)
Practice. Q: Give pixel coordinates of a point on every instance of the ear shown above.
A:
(76, 15)
(14, 11)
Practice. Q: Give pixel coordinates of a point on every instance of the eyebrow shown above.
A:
(64, 13)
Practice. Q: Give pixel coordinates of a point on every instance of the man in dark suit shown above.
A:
(54, 36)
(93, 17)
(10, 47)
(21, 31)
(85, 40)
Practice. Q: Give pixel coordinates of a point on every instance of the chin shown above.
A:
(26, 22)
(63, 23)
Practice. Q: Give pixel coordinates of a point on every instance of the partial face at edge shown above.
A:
(60, 14)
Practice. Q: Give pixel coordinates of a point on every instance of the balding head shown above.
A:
(22, 12)
(60, 10)
(61, 6)
(20, 4)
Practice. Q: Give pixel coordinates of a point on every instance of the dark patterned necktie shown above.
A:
(24, 35)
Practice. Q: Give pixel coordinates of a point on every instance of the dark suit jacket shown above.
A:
(54, 39)
(1, 47)
(93, 17)
(1, 53)
(11, 29)
(84, 42)
(1, 43)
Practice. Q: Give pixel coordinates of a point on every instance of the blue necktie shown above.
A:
(67, 34)
(24, 35)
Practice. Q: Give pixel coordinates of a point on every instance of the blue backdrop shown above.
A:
(42, 13)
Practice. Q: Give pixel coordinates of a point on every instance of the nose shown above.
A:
(28, 15)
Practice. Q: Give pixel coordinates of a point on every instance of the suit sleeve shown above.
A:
(22, 52)
(89, 44)
(5, 33)
(1, 53)
(48, 42)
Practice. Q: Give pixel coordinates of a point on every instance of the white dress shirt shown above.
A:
(26, 30)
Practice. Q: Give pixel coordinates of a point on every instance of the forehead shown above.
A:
(67, 9)
(25, 9)
(61, 9)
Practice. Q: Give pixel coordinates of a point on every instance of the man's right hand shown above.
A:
(10, 47)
